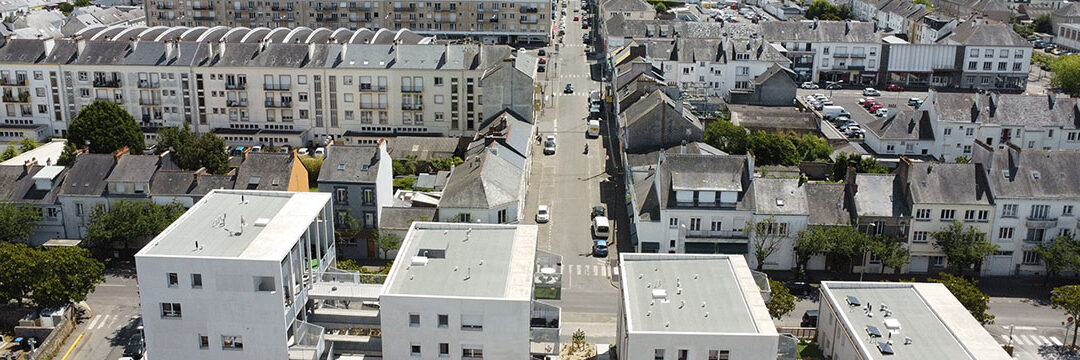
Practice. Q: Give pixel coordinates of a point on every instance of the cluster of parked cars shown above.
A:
(600, 227)
(818, 101)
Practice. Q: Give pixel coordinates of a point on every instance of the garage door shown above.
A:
(919, 264)
(650, 247)
(1000, 265)
(702, 248)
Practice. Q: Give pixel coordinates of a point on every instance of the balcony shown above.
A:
(405, 8)
(164, 6)
(236, 103)
(327, 7)
(326, 18)
(203, 18)
(840, 55)
(724, 234)
(445, 20)
(276, 87)
(412, 89)
(282, 104)
(13, 81)
(235, 86)
(368, 105)
(109, 99)
(22, 97)
(107, 83)
(493, 10)
(525, 20)
(544, 328)
(149, 101)
(308, 342)
(277, 7)
(529, 10)
(207, 6)
(375, 88)
(1041, 222)
(858, 56)
(412, 106)
(147, 84)
(442, 9)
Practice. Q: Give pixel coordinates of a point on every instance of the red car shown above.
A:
(875, 107)
(870, 103)
(894, 87)
(543, 61)
(575, 18)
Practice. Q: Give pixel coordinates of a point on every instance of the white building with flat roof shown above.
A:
(230, 277)
(460, 291)
(899, 321)
(684, 306)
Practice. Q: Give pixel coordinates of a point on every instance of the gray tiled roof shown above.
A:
(400, 218)
(22, 188)
(1012, 174)
(260, 171)
(21, 51)
(205, 183)
(425, 148)
(1030, 111)
(134, 168)
(1071, 9)
(350, 164)
(945, 183)
(87, 175)
(625, 5)
(820, 31)
(656, 121)
(777, 196)
(715, 172)
(483, 181)
(826, 204)
(905, 124)
(992, 34)
(172, 182)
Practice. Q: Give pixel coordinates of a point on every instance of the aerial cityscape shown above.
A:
(539, 179)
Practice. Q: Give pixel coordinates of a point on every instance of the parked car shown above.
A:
(302, 151)
(809, 318)
(854, 131)
(541, 52)
(598, 211)
(549, 145)
(875, 107)
(320, 151)
(881, 112)
(601, 227)
(542, 214)
(871, 92)
(914, 102)
(599, 248)
(800, 288)
(542, 61)
(541, 68)
(575, 18)
(134, 348)
(894, 87)
(809, 85)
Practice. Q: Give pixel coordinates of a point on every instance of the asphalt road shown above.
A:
(569, 182)
(116, 317)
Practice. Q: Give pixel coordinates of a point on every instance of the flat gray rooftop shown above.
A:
(465, 260)
(717, 295)
(939, 326)
(215, 224)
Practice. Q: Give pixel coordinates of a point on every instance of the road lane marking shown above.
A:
(1055, 341)
(578, 267)
(92, 322)
(1031, 328)
(614, 271)
(68, 353)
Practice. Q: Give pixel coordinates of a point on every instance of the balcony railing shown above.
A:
(412, 89)
(203, 17)
(282, 104)
(412, 106)
(146, 84)
(370, 87)
(368, 105)
(236, 103)
(207, 6)
(442, 9)
(1041, 223)
(149, 101)
(276, 87)
(725, 234)
(445, 20)
(13, 81)
(529, 10)
(164, 6)
(858, 56)
(525, 20)
(327, 7)
(308, 342)
(114, 83)
(235, 86)
(21, 97)
(405, 8)
(841, 55)
(277, 7)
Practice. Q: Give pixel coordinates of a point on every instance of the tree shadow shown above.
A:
(1054, 352)
(121, 336)
(120, 268)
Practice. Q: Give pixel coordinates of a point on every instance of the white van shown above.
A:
(830, 111)
(600, 227)
(594, 128)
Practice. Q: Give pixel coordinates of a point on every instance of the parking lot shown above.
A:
(849, 100)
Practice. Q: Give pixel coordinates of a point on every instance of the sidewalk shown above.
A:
(1030, 287)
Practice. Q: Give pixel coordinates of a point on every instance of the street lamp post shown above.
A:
(830, 85)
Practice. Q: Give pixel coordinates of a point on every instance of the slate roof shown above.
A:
(905, 124)
(172, 182)
(620, 27)
(987, 34)
(711, 172)
(134, 168)
(656, 119)
(205, 183)
(820, 31)
(625, 5)
(350, 164)
(1030, 111)
(826, 204)
(20, 188)
(22, 51)
(425, 148)
(260, 171)
(1071, 9)
(87, 175)
(1013, 174)
(771, 117)
(777, 196)
(646, 195)
(945, 183)
(483, 181)
(400, 218)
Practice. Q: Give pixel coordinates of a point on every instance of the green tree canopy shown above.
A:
(67, 274)
(781, 301)
(772, 149)
(926, 3)
(861, 164)
(19, 268)
(1066, 74)
(810, 241)
(1067, 299)
(892, 253)
(17, 222)
(963, 248)
(1060, 254)
(443, 163)
(844, 243)
(66, 8)
(969, 295)
(765, 238)
(9, 153)
(106, 127)
(823, 10)
(313, 164)
(811, 147)
(727, 137)
(387, 241)
(67, 157)
(191, 151)
(128, 224)
(1042, 24)
(27, 144)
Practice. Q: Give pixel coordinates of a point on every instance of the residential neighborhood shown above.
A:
(523, 179)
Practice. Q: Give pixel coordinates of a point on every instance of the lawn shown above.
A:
(543, 292)
(809, 351)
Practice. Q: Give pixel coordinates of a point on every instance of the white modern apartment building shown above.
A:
(691, 307)
(828, 51)
(504, 21)
(262, 86)
(1035, 197)
(880, 320)
(460, 291)
(995, 57)
(229, 279)
(715, 67)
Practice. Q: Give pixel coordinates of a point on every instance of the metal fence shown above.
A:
(355, 277)
(309, 343)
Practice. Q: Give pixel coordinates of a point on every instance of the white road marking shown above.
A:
(1055, 341)
(614, 271)
(1030, 328)
(1017, 340)
(112, 285)
(90, 326)
(578, 269)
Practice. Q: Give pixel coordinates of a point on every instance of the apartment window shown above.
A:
(196, 281)
(444, 350)
(1009, 210)
(414, 320)
(204, 342)
(414, 349)
(1071, 136)
(989, 53)
(1067, 210)
(301, 79)
(1040, 211)
(444, 321)
(1003, 66)
(472, 322)
(695, 224)
(973, 65)
(174, 280)
(438, 81)
(969, 215)
(970, 131)
(684, 354)
(501, 214)
(919, 236)
(1035, 235)
(937, 261)
(1065, 232)
(987, 66)
(984, 215)
(170, 310)
(948, 131)
(472, 352)
(1005, 233)
(948, 214)
(922, 214)
(719, 355)
(341, 195)
(974, 52)
(1031, 257)
(715, 226)
(1017, 67)
(658, 354)
(232, 342)
(673, 222)
(1004, 53)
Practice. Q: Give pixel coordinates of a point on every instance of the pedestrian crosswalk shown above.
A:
(574, 76)
(1031, 340)
(602, 270)
(107, 321)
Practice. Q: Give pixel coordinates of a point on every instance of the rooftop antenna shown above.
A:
(197, 247)
(468, 273)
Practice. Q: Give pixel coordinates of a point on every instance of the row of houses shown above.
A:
(264, 86)
(974, 54)
(52, 23)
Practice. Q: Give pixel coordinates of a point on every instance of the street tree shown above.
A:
(772, 149)
(19, 270)
(67, 157)
(1066, 74)
(191, 151)
(1063, 252)
(765, 236)
(9, 153)
(812, 240)
(1067, 299)
(861, 164)
(104, 127)
(66, 274)
(892, 253)
(727, 137)
(849, 244)
(969, 295)
(781, 301)
(128, 225)
(17, 222)
(963, 248)
(27, 144)
(823, 10)
(443, 163)
(350, 228)
(387, 241)
(810, 147)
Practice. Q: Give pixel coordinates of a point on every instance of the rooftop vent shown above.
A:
(419, 260)
(1035, 175)
(341, 166)
(659, 294)
(885, 348)
(262, 222)
(779, 202)
(892, 324)
(853, 301)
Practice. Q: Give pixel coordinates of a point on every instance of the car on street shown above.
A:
(854, 131)
(542, 61)
(541, 52)
(541, 68)
(601, 228)
(809, 85)
(809, 318)
(549, 145)
(871, 92)
(875, 107)
(881, 112)
(599, 248)
(593, 129)
(569, 89)
(542, 214)
(800, 288)
(320, 151)
(597, 211)
(914, 102)
(134, 348)
(894, 87)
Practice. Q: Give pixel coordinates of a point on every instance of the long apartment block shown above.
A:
(262, 86)
(513, 21)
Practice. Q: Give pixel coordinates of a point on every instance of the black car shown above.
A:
(541, 52)
(598, 211)
(541, 68)
(134, 348)
(569, 89)
(800, 288)
(809, 318)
